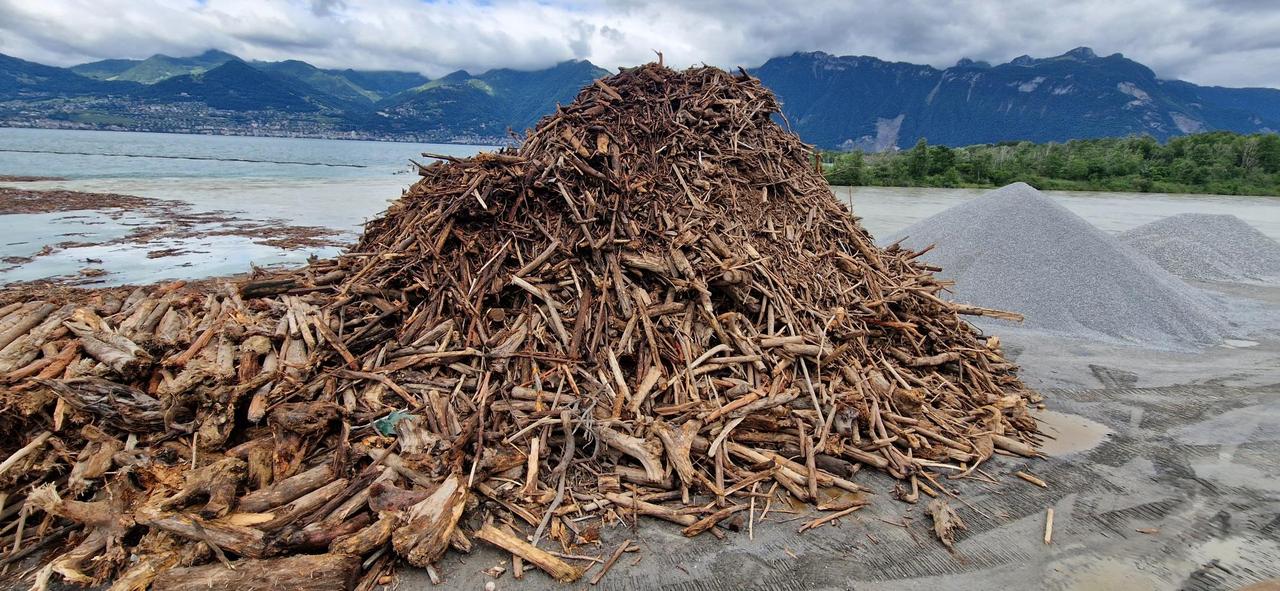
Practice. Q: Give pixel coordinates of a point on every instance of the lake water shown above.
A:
(302, 182)
(339, 185)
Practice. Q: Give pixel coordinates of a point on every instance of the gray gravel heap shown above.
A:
(1207, 247)
(1016, 249)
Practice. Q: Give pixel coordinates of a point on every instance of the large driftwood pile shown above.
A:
(653, 307)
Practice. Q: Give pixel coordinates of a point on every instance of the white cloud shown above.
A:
(1205, 41)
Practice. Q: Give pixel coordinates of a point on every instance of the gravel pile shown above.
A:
(1207, 247)
(1016, 249)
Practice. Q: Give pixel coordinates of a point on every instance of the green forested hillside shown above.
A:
(1217, 162)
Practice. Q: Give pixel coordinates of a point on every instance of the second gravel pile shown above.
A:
(1015, 248)
(1207, 247)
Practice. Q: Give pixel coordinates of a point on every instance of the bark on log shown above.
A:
(322, 572)
(266, 287)
(366, 540)
(114, 350)
(241, 540)
(26, 323)
(286, 490)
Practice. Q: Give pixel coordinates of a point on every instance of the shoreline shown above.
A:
(6, 178)
(494, 141)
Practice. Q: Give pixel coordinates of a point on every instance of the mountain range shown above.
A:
(836, 102)
(864, 102)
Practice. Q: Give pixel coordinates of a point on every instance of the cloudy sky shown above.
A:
(1226, 42)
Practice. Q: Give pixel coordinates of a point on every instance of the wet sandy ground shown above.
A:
(1164, 473)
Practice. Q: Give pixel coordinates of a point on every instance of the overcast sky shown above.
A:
(1225, 42)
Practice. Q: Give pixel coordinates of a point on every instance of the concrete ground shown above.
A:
(1164, 474)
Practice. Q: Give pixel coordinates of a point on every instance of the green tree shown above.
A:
(918, 160)
(941, 160)
(1269, 153)
(847, 170)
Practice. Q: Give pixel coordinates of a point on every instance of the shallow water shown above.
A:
(1069, 433)
(298, 182)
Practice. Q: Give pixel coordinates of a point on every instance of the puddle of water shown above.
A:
(1251, 424)
(1236, 551)
(1111, 575)
(25, 234)
(1070, 433)
(1272, 585)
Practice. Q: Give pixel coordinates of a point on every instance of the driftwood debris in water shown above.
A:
(654, 307)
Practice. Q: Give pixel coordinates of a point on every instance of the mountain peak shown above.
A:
(1081, 53)
(1023, 60)
(968, 63)
(234, 66)
(216, 54)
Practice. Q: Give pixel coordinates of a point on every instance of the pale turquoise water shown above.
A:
(103, 154)
(303, 182)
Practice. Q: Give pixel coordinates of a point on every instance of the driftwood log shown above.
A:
(305, 572)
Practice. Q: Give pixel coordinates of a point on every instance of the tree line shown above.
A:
(1218, 162)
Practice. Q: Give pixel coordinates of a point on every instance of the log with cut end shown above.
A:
(26, 348)
(1013, 445)
(322, 572)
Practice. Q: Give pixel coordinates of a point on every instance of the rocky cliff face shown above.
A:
(870, 104)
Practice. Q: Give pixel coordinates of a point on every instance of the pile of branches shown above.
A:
(654, 306)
